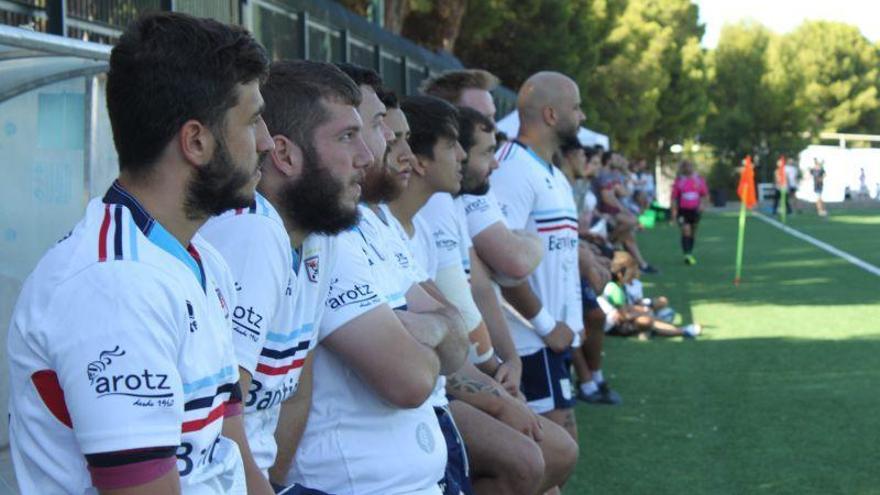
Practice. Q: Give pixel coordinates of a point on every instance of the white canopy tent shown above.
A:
(510, 126)
(853, 169)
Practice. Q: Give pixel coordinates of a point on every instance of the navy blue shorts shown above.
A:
(546, 380)
(689, 216)
(589, 296)
(296, 490)
(455, 481)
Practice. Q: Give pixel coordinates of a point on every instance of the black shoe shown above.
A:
(647, 268)
(604, 395)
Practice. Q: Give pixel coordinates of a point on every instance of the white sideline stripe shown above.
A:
(864, 265)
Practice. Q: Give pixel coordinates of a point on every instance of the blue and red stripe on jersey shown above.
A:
(555, 220)
(285, 352)
(208, 398)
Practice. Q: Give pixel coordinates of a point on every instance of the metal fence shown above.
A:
(310, 29)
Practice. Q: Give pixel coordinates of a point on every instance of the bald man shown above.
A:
(544, 312)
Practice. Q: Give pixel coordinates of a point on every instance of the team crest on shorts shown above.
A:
(312, 268)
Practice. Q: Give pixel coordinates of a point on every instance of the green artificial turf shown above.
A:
(782, 393)
(855, 231)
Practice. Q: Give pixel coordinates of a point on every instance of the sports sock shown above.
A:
(597, 376)
(684, 244)
(688, 244)
(589, 388)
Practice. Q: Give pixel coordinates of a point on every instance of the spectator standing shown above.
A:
(818, 174)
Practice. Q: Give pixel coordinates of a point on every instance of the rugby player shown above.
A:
(123, 373)
(309, 186)
(545, 313)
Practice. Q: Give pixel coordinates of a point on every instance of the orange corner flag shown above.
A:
(746, 188)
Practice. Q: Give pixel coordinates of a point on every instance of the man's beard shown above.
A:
(314, 201)
(564, 134)
(381, 186)
(479, 189)
(218, 186)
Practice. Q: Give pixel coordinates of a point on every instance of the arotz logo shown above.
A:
(145, 385)
(358, 294)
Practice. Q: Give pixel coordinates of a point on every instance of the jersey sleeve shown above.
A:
(439, 216)
(481, 212)
(704, 190)
(515, 194)
(352, 290)
(116, 370)
(258, 254)
(423, 248)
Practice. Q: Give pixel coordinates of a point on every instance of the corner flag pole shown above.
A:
(740, 239)
(746, 192)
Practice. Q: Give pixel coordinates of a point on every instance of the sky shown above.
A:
(783, 16)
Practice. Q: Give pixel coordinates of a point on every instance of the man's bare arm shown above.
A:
(512, 254)
(167, 484)
(292, 423)
(509, 373)
(387, 357)
(556, 334)
(233, 429)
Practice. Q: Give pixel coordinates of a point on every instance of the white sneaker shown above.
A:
(691, 331)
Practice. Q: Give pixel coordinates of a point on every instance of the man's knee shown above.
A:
(560, 453)
(527, 466)
(644, 322)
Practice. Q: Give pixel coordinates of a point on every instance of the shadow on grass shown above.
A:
(760, 415)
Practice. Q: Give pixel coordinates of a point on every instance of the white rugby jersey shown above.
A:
(536, 196)
(355, 442)
(421, 244)
(384, 228)
(445, 217)
(481, 212)
(120, 340)
(280, 300)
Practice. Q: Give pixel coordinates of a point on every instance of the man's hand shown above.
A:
(559, 339)
(518, 416)
(509, 375)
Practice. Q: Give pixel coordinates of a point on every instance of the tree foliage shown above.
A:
(646, 80)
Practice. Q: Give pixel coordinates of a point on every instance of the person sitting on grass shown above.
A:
(658, 306)
(625, 319)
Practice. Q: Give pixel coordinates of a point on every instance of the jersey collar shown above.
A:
(155, 232)
(530, 151)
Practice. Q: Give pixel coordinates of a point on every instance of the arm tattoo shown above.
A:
(469, 385)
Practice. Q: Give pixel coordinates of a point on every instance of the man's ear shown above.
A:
(287, 157)
(549, 115)
(420, 165)
(196, 142)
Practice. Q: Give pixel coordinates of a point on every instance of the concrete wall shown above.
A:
(56, 152)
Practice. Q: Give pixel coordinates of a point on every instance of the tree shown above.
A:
(434, 24)
(835, 75)
(516, 38)
(650, 86)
